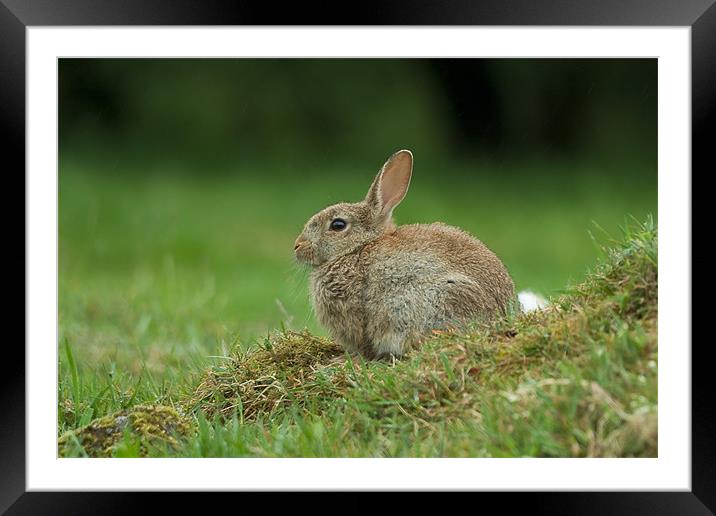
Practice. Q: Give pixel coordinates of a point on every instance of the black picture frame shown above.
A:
(17, 15)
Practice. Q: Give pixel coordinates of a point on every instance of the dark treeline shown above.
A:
(214, 111)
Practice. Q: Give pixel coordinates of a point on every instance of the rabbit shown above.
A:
(379, 288)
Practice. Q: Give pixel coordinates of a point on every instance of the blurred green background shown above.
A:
(184, 182)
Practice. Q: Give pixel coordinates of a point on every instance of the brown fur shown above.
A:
(379, 288)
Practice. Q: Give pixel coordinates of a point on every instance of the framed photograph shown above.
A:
(417, 250)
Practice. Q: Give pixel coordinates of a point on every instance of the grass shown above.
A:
(578, 379)
(162, 277)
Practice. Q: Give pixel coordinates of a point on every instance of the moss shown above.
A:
(143, 427)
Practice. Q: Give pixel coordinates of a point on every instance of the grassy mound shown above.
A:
(578, 379)
(288, 367)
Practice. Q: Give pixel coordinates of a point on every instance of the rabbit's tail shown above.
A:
(529, 301)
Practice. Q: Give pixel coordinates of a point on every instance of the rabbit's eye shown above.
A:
(338, 224)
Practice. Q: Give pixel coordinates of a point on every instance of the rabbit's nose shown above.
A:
(299, 241)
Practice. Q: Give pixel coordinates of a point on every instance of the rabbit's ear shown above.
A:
(391, 183)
